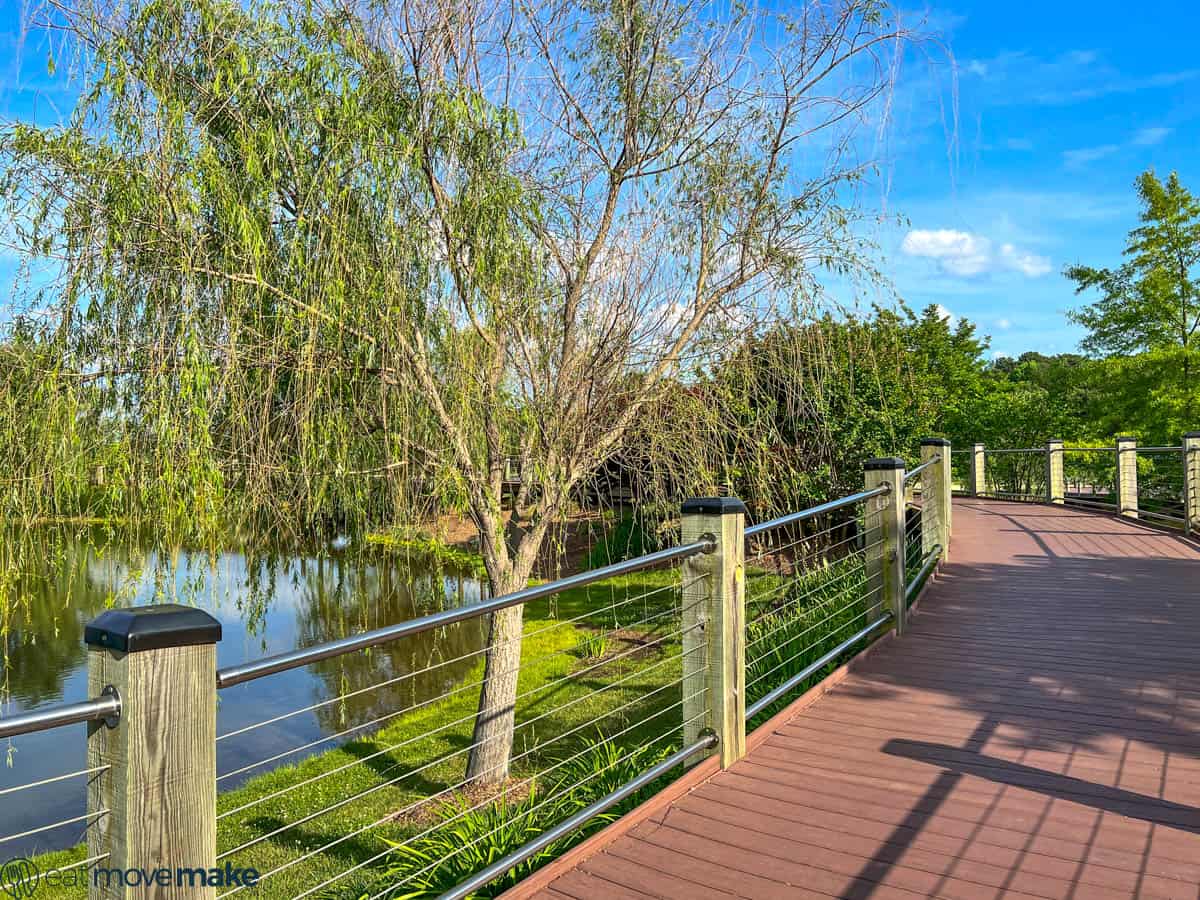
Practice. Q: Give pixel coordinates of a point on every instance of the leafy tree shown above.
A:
(1151, 303)
(318, 256)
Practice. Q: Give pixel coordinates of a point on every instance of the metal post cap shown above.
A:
(934, 442)
(712, 506)
(152, 628)
(883, 463)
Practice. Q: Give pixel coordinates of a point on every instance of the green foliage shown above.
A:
(473, 836)
(592, 647)
(789, 630)
(1150, 306)
(647, 528)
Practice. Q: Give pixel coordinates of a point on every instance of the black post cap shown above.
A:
(1192, 434)
(883, 463)
(713, 506)
(152, 628)
(934, 442)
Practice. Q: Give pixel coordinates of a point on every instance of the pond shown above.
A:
(267, 604)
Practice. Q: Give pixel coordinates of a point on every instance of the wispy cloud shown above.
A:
(1143, 137)
(1075, 76)
(967, 255)
(1148, 137)
(1084, 155)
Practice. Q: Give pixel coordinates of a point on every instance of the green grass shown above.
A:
(612, 673)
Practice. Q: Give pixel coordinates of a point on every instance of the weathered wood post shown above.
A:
(1056, 482)
(885, 540)
(714, 626)
(936, 496)
(978, 485)
(161, 788)
(1191, 482)
(1127, 486)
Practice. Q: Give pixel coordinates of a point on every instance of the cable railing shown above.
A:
(1159, 484)
(611, 680)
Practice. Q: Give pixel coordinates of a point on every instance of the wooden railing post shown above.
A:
(1056, 482)
(978, 485)
(1127, 486)
(160, 790)
(1191, 482)
(885, 540)
(714, 626)
(936, 496)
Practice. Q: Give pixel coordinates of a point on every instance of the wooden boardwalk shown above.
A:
(1035, 734)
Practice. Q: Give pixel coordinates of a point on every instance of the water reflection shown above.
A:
(267, 602)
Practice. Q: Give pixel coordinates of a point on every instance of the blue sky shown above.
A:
(1059, 106)
(1017, 161)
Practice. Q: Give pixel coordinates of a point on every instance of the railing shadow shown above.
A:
(1061, 631)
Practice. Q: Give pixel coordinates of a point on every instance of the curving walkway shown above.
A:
(1035, 734)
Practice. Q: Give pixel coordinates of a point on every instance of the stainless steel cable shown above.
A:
(760, 638)
(258, 839)
(590, 777)
(426, 735)
(809, 628)
(56, 778)
(392, 815)
(465, 656)
(789, 623)
(427, 702)
(806, 649)
(91, 815)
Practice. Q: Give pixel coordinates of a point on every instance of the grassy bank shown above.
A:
(597, 662)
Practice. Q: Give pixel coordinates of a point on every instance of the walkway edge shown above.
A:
(542, 878)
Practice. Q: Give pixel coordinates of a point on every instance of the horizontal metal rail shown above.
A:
(573, 823)
(914, 587)
(1089, 449)
(105, 708)
(1018, 450)
(812, 668)
(813, 511)
(1166, 517)
(913, 473)
(1100, 503)
(239, 674)
(1159, 449)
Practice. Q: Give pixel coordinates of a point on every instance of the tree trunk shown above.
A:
(491, 743)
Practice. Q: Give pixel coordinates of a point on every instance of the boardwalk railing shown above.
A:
(1160, 484)
(674, 653)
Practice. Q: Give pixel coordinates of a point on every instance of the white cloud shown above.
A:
(1000, 354)
(1004, 324)
(948, 317)
(967, 255)
(977, 67)
(1148, 137)
(1028, 264)
(958, 252)
(1085, 155)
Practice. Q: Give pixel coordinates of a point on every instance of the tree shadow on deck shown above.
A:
(1077, 637)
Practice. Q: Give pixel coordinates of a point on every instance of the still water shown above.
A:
(266, 604)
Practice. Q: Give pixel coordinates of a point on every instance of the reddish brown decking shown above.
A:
(1035, 734)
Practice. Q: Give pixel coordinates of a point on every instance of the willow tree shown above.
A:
(302, 247)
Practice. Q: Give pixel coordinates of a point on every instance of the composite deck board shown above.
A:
(1034, 734)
